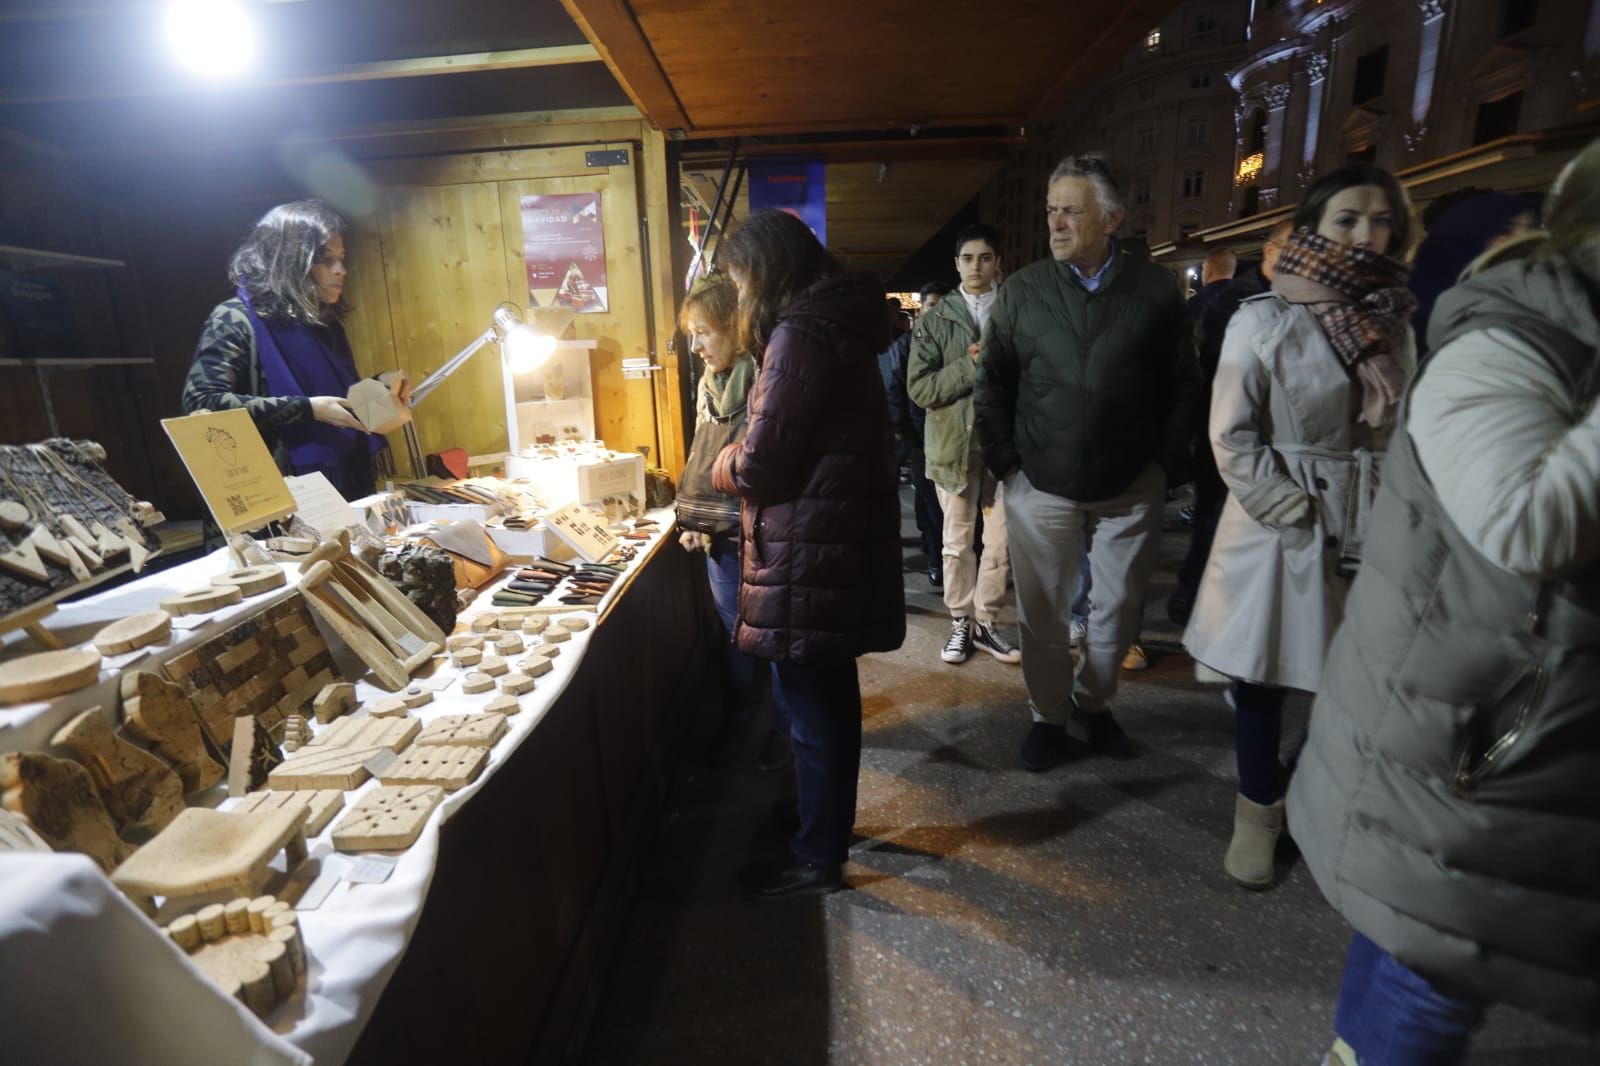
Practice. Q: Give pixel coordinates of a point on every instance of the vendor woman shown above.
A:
(278, 348)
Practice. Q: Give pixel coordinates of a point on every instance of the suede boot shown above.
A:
(1255, 839)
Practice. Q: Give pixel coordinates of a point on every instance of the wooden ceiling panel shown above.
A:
(742, 67)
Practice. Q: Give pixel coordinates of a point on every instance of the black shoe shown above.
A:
(1105, 736)
(790, 879)
(775, 752)
(1180, 605)
(936, 576)
(1044, 747)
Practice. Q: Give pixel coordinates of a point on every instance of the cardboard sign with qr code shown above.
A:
(231, 466)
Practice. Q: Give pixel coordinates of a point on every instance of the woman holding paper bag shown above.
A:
(278, 349)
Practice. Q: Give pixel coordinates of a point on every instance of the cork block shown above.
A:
(448, 766)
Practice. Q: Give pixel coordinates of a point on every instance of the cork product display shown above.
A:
(251, 756)
(249, 948)
(202, 601)
(415, 697)
(134, 632)
(450, 766)
(322, 767)
(470, 730)
(476, 682)
(493, 665)
(555, 635)
(388, 818)
(264, 666)
(535, 666)
(296, 733)
(467, 657)
(515, 684)
(64, 523)
(573, 623)
(335, 699)
(425, 576)
(321, 805)
(502, 704)
(252, 580)
(388, 707)
(159, 714)
(47, 674)
(60, 802)
(140, 793)
(392, 733)
(389, 633)
(208, 851)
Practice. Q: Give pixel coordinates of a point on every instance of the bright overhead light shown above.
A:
(213, 38)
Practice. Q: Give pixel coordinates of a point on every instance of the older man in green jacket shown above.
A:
(1087, 395)
(939, 376)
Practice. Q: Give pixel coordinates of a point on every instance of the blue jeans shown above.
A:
(738, 669)
(822, 700)
(1393, 1016)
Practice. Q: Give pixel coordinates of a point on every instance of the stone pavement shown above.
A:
(994, 915)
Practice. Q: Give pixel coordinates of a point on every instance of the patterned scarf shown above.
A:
(1361, 302)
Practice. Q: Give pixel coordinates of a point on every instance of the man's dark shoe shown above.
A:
(936, 576)
(1105, 736)
(1044, 747)
(789, 880)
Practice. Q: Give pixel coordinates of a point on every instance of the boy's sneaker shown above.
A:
(1135, 659)
(989, 639)
(958, 649)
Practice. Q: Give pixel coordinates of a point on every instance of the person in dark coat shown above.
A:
(820, 520)
(908, 420)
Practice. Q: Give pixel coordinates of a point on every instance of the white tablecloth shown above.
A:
(354, 939)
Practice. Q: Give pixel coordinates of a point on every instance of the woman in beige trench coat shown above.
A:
(1303, 404)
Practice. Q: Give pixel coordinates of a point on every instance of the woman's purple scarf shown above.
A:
(300, 360)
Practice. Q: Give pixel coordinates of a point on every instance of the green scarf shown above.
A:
(725, 393)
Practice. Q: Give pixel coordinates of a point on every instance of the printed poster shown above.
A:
(793, 185)
(564, 247)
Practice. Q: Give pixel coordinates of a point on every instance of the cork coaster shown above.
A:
(252, 580)
(202, 601)
(134, 632)
(388, 818)
(468, 730)
(449, 766)
(573, 623)
(321, 805)
(49, 673)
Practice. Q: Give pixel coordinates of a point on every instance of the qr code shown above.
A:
(236, 504)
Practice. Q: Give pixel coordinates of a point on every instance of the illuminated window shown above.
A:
(1152, 42)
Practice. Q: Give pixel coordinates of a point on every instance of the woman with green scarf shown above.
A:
(711, 525)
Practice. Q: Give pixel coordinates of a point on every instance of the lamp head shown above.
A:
(525, 350)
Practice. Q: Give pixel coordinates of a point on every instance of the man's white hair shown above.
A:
(1098, 173)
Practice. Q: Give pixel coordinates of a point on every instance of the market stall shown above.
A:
(486, 931)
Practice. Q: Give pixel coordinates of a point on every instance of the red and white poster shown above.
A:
(564, 246)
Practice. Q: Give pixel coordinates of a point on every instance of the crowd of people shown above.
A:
(1415, 542)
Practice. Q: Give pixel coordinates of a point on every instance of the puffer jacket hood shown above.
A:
(1537, 295)
(850, 304)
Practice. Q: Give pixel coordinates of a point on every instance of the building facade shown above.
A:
(1166, 121)
(1400, 83)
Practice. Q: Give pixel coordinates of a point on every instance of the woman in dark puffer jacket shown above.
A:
(821, 580)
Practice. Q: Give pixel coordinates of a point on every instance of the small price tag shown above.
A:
(371, 869)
